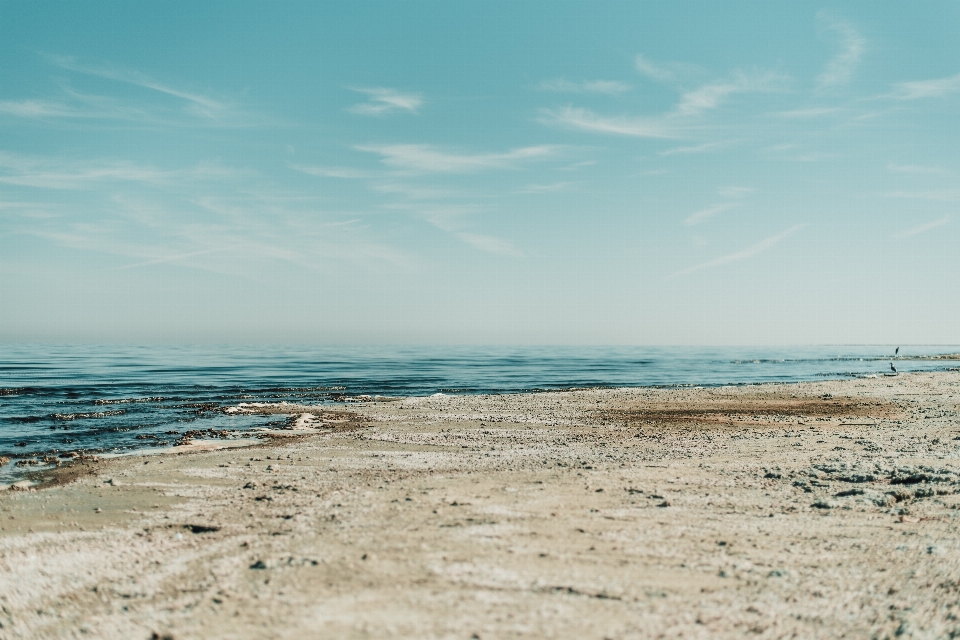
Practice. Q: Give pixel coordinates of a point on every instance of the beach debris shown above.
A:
(259, 565)
(201, 528)
(850, 492)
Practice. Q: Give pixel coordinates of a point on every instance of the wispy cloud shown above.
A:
(422, 158)
(841, 67)
(416, 192)
(184, 108)
(699, 148)
(76, 105)
(936, 88)
(57, 173)
(927, 226)
(562, 85)
(664, 71)
(451, 218)
(332, 172)
(712, 95)
(490, 244)
(743, 254)
(545, 188)
(734, 192)
(204, 104)
(709, 212)
(939, 195)
(692, 104)
(33, 210)
(809, 113)
(39, 109)
(176, 257)
(220, 230)
(382, 101)
(914, 168)
(586, 120)
(795, 153)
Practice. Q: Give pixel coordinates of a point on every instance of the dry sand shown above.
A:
(811, 510)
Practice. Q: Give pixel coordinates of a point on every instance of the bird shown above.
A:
(893, 368)
(896, 352)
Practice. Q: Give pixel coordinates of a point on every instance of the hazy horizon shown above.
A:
(536, 173)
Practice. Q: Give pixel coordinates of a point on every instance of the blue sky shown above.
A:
(480, 172)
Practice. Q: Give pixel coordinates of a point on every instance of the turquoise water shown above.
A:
(115, 399)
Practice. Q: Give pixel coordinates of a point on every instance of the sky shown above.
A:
(719, 173)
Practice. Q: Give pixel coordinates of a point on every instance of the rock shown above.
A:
(820, 504)
(850, 492)
(259, 564)
(201, 528)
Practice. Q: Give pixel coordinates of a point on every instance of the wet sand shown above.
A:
(806, 510)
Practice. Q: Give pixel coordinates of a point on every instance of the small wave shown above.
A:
(82, 416)
(103, 401)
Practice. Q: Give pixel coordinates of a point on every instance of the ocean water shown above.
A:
(116, 399)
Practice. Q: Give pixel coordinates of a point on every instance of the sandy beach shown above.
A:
(814, 510)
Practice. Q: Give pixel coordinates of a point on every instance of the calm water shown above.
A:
(113, 399)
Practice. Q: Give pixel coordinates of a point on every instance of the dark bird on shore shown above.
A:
(893, 368)
(896, 352)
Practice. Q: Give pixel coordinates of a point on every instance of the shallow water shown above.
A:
(113, 399)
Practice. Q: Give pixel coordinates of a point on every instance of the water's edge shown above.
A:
(56, 400)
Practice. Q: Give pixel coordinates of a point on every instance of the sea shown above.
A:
(122, 399)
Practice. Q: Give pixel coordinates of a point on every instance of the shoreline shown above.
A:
(45, 457)
(815, 508)
(67, 470)
(53, 449)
